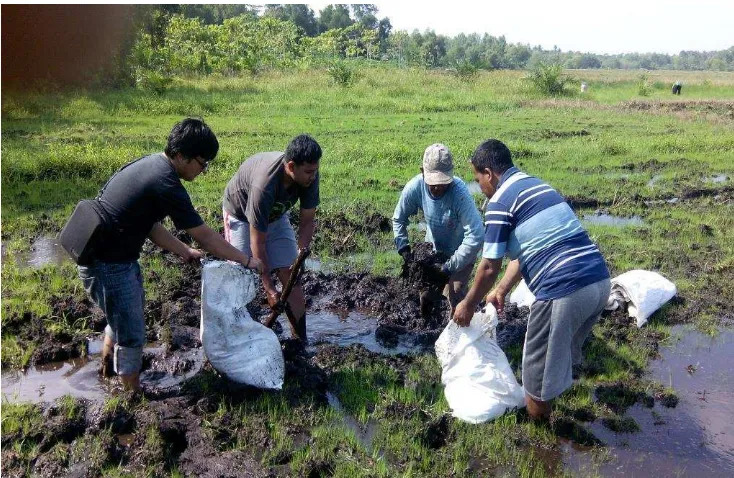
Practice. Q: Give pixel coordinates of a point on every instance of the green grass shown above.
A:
(60, 147)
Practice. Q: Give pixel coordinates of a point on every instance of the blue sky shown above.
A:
(611, 26)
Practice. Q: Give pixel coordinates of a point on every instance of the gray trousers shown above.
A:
(556, 331)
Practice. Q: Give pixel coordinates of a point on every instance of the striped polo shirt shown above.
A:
(528, 220)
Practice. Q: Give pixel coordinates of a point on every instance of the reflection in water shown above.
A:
(694, 439)
(602, 219)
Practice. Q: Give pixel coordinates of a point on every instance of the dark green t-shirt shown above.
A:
(256, 193)
(139, 195)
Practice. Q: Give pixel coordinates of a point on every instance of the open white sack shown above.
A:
(645, 291)
(479, 383)
(243, 350)
(522, 295)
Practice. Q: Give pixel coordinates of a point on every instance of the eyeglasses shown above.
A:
(204, 164)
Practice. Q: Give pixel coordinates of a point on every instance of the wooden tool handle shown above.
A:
(295, 272)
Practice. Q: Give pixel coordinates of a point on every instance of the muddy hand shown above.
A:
(274, 302)
(192, 255)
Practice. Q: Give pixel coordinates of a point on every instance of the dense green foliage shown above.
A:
(206, 39)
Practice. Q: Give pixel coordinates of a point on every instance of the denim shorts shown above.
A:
(280, 240)
(117, 288)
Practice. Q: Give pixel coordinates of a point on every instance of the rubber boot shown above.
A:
(299, 331)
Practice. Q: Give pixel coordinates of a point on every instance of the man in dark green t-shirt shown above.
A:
(256, 202)
(134, 201)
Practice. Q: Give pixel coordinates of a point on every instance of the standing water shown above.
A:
(696, 438)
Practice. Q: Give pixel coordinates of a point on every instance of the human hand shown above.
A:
(463, 314)
(192, 255)
(406, 254)
(497, 297)
(253, 263)
(273, 300)
(439, 274)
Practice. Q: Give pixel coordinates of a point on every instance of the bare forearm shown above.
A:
(512, 276)
(257, 244)
(215, 244)
(165, 240)
(305, 234)
(486, 276)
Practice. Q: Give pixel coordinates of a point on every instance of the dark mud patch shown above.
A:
(551, 134)
(619, 396)
(395, 302)
(436, 433)
(719, 108)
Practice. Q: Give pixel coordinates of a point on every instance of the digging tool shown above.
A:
(280, 306)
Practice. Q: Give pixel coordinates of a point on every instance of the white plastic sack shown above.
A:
(522, 295)
(479, 383)
(238, 347)
(645, 291)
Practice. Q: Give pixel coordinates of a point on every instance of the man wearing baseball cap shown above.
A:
(453, 224)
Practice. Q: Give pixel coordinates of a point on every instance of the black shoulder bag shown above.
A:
(86, 225)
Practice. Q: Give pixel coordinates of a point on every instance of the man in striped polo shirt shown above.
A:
(531, 223)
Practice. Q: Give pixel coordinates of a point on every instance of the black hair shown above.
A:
(192, 138)
(493, 155)
(303, 149)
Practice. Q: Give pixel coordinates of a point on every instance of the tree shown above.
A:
(299, 14)
(334, 16)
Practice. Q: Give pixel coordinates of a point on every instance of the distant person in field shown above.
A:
(528, 221)
(135, 200)
(677, 86)
(453, 224)
(256, 204)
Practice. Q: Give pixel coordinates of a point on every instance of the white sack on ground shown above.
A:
(243, 350)
(522, 295)
(479, 383)
(645, 291)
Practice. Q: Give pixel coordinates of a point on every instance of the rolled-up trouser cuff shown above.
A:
(128, 360)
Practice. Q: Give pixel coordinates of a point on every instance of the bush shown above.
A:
(548, 79)
(466, 71)
(343, 74)
(153, 81)
(643, 85)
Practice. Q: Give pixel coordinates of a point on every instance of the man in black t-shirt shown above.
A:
(135, 200)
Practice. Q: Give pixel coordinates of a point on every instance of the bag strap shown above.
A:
(99, 195)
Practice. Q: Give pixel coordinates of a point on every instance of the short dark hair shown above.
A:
(192, 138)
(303, 149)
(493, 155)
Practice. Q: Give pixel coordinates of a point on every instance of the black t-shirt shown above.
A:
(138, 196)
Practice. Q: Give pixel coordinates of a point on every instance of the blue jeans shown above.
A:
(118, 290)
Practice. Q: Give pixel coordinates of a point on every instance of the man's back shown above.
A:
(530, 221)
(139, 195)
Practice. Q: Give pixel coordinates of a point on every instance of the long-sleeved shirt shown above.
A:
(453, 223)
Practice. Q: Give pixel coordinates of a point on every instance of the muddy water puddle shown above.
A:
(717, 179)
(364, 433)
(345, 328)
(604, 219)
(79, 377)
(45, 250)
(696, 438)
